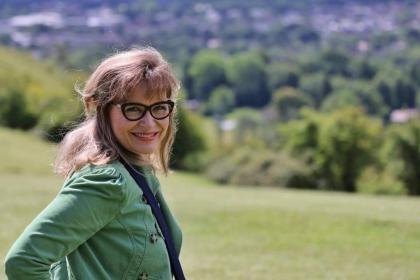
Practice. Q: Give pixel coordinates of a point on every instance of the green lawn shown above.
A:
(245, 233)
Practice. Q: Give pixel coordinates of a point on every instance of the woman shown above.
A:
(100, 226)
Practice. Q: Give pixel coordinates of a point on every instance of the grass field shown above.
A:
(244, 233)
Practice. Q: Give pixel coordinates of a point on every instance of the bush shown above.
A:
(379, 182)
(195, 162)
(55, 121)
(247, 166)
(402, 151)
(337, 146)
(14, 111)
(35, 94)
(190, 145)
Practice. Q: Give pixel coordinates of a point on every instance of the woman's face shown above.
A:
(142, 136)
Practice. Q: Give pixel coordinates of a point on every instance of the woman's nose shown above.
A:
(147, 119)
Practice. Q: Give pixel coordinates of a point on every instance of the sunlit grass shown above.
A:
(24, 153)
(268, 233)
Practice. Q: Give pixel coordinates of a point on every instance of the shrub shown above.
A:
(35, 94)
(375, 181)
(14, 111)
(337, 146)
(190, 143)
(247, 166)
(402, 150)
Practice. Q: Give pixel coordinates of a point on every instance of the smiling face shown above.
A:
(141, 137)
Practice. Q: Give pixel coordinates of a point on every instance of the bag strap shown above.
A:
(157, 212)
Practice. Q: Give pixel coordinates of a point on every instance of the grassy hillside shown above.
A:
(22, 152)
(41, 81)
(47, 91)
(244, 233)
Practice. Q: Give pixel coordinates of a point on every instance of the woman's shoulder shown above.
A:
(114, 173)
(111, 172)
(101, 183)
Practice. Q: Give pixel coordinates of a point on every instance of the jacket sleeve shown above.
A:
(85, 204)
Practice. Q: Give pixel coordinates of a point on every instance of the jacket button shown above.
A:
(144, 276)
(153, 237)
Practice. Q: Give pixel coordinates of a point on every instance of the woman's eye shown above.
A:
(160, 108)
(133, 109)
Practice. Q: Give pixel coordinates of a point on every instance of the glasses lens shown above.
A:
(134, 111)
(160, 111)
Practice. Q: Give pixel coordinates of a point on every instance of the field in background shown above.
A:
(243, 233)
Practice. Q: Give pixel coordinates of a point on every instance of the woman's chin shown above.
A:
(145, 150)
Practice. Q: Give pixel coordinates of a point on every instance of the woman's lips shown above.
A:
(146, 136)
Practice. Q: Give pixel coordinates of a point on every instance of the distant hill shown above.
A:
(25, 4)
(80, 32)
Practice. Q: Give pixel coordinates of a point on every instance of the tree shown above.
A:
(249, 122)
(340, 99)
(405, 93)
(246, 74)
(335, 62)
(404, 153)
(221, 102)
(358, 92)
(288, 101)
(413, 36)
(317, 87)
(415, 72)
(14, 111)
(365, 70)
(338, 145)
(189, 140)
(281, 75)
(386, 94)
(206, 71)
(384, 83)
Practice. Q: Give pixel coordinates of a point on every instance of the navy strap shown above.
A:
(173, 256)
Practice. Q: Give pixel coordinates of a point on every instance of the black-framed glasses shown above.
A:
(136, 111)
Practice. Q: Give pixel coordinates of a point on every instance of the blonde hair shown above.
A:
(92, 141)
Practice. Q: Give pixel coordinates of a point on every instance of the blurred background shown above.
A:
(298, 149)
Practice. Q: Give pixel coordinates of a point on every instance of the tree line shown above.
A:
(317, 121)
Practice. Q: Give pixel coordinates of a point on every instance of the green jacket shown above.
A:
(97, 227)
